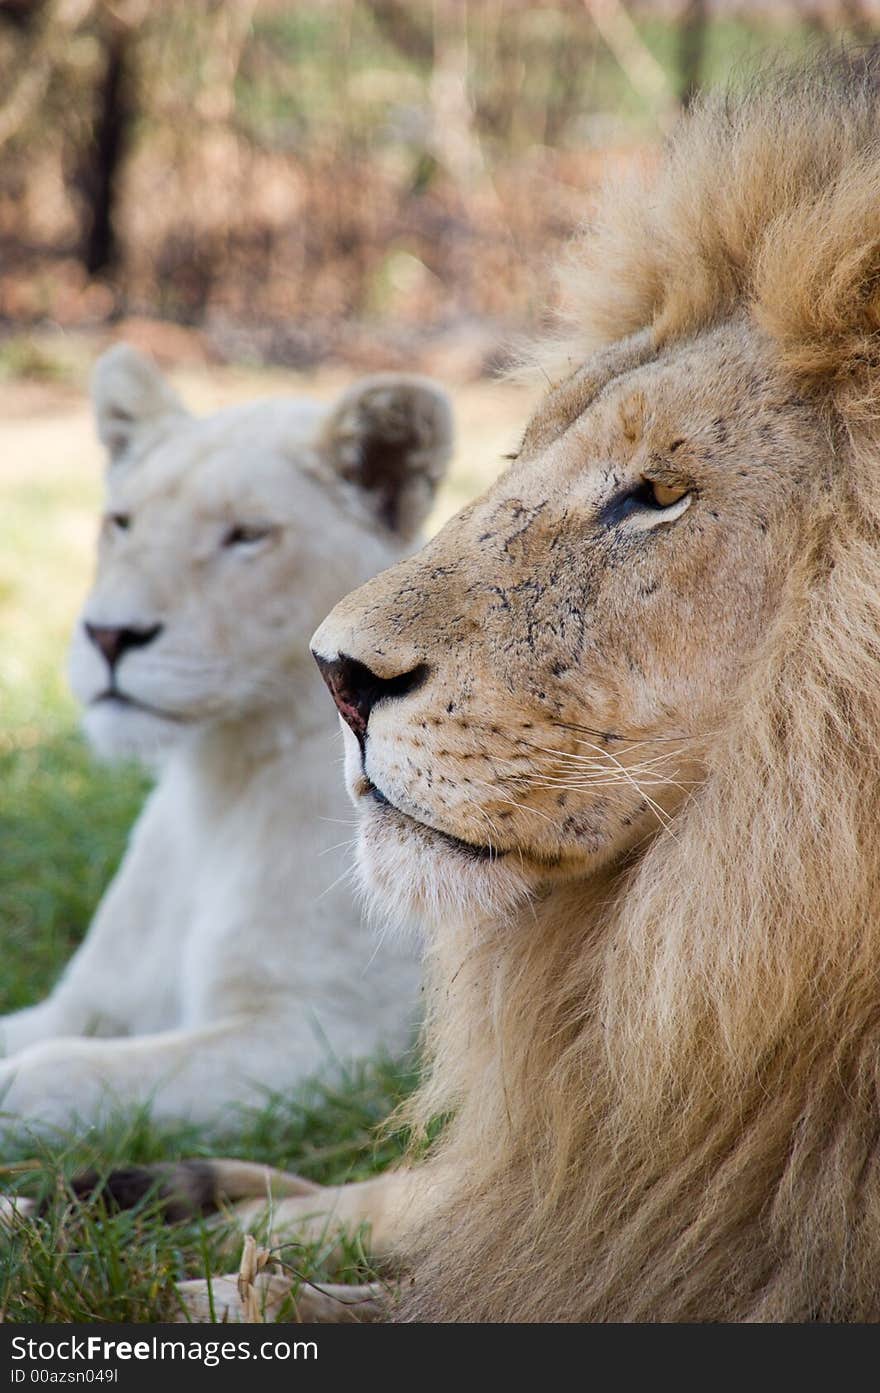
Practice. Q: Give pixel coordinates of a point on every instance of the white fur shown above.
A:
(227, 958)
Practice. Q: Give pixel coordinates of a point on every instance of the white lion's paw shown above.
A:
(45, 1087)
(15, 1210)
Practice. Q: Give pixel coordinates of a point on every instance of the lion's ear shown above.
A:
(131, 399)
(391, 436)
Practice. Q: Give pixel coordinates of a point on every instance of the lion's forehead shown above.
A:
(213, 480)
(716, 390)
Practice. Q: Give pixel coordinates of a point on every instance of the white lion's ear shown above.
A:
(131, 399)
(391, 436)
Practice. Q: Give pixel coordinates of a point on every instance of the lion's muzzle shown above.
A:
(356, 689)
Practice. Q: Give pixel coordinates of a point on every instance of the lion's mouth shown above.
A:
(116, 698)
(470, 849)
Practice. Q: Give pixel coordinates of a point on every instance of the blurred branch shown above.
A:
(399, 23)
(691, 49)
(225, 47)
(40, 51)
(454, 139)
(645, 74)
(25, 95)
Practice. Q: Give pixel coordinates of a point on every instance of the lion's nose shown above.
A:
(113, 642)
(356, 689)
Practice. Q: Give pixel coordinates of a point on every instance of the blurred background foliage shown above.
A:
(304, 178)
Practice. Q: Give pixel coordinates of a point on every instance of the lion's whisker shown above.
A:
(349, 873)
(494, 789)
(351, 841)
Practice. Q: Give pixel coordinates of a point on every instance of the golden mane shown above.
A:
(770, 200)
(665, 1082)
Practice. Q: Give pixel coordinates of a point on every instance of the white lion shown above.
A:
(228, 956)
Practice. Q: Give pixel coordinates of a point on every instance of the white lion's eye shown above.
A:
(119, 522)
(246, 535)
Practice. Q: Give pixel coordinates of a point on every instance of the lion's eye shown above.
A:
(243, 535)
(120, 522)
(648, 504)
(663, 495)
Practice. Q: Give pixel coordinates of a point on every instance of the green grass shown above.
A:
(79, 1263)
(22, 358)
(63, 824)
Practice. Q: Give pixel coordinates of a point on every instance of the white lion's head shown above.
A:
(225, 539)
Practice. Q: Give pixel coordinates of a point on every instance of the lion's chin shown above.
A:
(119, 730)
(408, 871)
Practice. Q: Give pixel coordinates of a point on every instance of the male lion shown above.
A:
(228, 951)
(615, 733)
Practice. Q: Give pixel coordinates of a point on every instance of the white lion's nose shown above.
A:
(113, 641)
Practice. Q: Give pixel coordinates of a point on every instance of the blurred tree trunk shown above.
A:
(859, 23)
(691, 49)
(227, 29)
(453, 137)
(824, 18)
(402, 24)
(102, 159)
(21, 14)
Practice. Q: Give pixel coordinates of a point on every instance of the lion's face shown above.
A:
(225, 539)
(528, 698)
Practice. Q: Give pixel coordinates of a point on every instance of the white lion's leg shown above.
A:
(189, 1074)
(124, 971)
(89, 1000)
(34, 1023)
